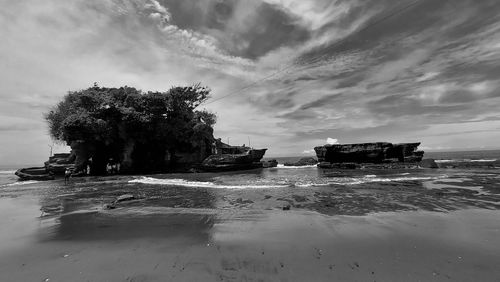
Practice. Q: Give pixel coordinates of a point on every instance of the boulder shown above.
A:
(123, 198)
(227, 162)
(269, 163)
(120, 199)
(338, 165)
(58, 163)
(428, 163)
(303, 162)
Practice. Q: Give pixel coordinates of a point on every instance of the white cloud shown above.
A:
(314, 14)
(427, 76)
(483, 86)
(332, 141)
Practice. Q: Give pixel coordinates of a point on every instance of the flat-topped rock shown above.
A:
(303, 162)
(378, 152)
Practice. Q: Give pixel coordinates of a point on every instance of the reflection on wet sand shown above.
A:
(112, 226)
(184, 244)
(344, 226)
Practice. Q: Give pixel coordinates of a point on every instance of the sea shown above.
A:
(464, 179)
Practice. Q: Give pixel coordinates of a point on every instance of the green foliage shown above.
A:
(111, 117)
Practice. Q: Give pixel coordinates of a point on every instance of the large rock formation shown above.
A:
(302, 162)
(58, 163)
(233, 158)
(379, 152)
(269, 163)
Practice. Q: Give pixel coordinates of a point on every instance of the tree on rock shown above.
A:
(144, 132)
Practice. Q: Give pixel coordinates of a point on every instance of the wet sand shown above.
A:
(158, 243)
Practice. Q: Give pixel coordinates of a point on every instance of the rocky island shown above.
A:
(233, 158)
(378, 153)
(127, 131)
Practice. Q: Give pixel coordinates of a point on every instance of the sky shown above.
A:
(299, 73)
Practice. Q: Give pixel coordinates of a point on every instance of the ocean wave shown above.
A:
(465, 160)
(397, 179)
(290, 183)
(7, 171)
(363, 180)
(18, 183)
(291, 166)
(199, 184)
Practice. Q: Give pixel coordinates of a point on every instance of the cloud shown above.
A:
(158, 12)
(332, 141)
(315, 68)
(427, 76)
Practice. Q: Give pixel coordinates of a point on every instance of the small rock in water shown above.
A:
(302, 162)
(241, 201)
(428, 163)
(123, 198)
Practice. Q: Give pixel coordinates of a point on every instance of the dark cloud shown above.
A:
(458, 96)
(382, 28)
(249, 29)
(299, 115)
(322, 102)
(397, 106)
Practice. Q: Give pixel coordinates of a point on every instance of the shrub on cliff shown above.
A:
(142, 131)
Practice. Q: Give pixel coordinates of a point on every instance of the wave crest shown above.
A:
(291, 166)
(199, 184)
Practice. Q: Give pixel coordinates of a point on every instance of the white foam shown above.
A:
(446, 161)
(200, 184)
(291, 166)
(327, 182)
(7, 171)
(304, 185)
(355, 181)
(465, 160)
(18, 183)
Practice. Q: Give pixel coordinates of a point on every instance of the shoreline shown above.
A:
(299, 224)
(215, 245)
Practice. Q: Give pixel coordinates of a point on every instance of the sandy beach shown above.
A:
(65, 233)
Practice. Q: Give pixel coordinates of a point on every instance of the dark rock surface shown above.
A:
(226, 162)
(58, 163)
(123, 198)
(428, 163)
(303, 162)
(338, 165)
(469, 164)
(269, 163)
(379, 152)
